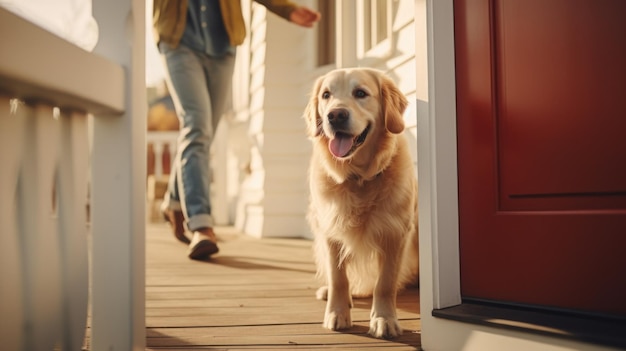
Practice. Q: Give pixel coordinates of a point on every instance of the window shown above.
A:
(374, 23)
(326, 33)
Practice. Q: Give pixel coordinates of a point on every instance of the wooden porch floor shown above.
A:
(254, 294)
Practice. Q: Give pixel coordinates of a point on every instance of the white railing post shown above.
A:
(118, 186)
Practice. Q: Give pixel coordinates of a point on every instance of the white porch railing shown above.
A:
(162, 144)
(43, 244)
(44, 168)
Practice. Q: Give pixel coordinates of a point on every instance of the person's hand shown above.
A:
(304, 16)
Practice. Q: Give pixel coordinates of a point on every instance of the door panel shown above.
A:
(561, 93)
(541, 108)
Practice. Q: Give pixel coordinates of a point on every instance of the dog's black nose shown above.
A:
(338, 116)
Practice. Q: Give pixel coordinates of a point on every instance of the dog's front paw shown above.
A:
(337, 319)
(382, 327)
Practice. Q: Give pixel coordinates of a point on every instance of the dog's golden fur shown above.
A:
(363, 201)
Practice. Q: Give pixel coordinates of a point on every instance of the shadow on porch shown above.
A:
(254, 294)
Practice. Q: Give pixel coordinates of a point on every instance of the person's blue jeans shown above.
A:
(200, 86)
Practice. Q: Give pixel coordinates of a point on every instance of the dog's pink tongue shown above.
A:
(340, 145)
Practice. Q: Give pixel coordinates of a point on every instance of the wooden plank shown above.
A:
(230, 317)
(265, 330)
(247, 306)
(300, 334)
(204, 294)
(308, 337)
(263, 301)
(254, 294)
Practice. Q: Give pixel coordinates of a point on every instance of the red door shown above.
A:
(541, 102)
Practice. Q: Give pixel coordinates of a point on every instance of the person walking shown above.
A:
(198, 39)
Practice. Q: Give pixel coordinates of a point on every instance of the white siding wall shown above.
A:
(397, 58)
(273, 195)
(268, 153)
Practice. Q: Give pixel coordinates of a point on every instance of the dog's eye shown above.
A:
(360, 93)
(325, 95)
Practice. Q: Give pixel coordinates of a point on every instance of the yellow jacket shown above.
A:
(169, 17)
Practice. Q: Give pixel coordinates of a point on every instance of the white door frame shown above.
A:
(437, 158)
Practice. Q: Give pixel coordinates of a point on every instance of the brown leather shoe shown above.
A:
(176, 220)
(203, 244)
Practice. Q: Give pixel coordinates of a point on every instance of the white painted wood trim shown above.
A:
(118, 186)
(437, 159)
(219, 174)
(48, 66)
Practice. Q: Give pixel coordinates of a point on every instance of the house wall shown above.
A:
(268, 152)
(269, 149)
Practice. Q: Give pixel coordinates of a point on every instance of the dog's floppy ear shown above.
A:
(312, 117)
(394, 104)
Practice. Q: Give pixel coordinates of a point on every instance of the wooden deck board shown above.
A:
(255, 294)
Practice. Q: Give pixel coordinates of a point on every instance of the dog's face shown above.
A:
(352, 109)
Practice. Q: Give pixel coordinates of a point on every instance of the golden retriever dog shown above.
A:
(363, 196)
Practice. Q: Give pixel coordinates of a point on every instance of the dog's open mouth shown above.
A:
(344, 145)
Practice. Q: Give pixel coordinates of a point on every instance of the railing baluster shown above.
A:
(157, 146)
(11, 273)
(43, 246)
(38, 230)
(159, 140)
(72, 213)
(163, 144)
